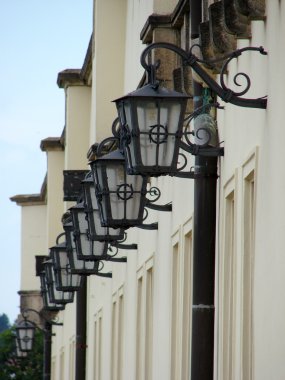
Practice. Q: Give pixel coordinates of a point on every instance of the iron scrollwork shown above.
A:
(190, 59)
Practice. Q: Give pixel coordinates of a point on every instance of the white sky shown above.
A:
(38, 39)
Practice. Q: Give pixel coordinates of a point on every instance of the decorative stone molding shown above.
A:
(32, 199)
(52, 144)
(69, 77)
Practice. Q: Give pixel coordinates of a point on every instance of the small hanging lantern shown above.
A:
(86, 248)
(65, 280)
(48, 304)
(25, 332)
(152, 126)
(56, 296)
(77, 266)
(121, 197)
(96, 230)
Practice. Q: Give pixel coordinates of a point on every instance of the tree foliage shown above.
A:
(4, 322)
(26, 368)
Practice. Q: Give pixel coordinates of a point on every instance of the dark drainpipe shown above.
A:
(204, 232)
(80, 343)
(47, 351)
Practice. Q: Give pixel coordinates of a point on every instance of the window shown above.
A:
(53, 369)
(187, 306)
(228, 286)
(175, 354)
(181, 305)
(247, 266)
(61, 369)
(117, 335)
(71, 359)
(144, 322)
(98, 345)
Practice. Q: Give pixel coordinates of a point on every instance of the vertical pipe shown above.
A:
(204, 231)
(47, 351)
(80, 344)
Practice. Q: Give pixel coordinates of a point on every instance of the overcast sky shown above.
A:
(38, 39)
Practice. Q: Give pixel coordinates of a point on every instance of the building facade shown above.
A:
(139, 322)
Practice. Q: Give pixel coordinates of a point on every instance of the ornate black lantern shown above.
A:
(48, 304)
(77, 266)
(56, 296)
(25, 332)
(86, 248)
(152, 117)
(96, 230)
(152, 126)
(65, 280)
(121, 197)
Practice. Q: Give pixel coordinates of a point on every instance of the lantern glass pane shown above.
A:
(82, 266)
(95, 228)
(19, 353)
(100, 230)
(125, 192)
(159, 121)
(48, 304)
(55, 295)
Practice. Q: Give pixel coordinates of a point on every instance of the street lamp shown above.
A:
(79, 266)
(65, 280)
(86, 248)
(152, 120)
(95, 229)
(56, 296)
(121, 197)
(49, 305)
(25, 333)
(152, 117)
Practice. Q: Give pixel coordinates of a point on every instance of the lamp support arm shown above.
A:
(226, 94)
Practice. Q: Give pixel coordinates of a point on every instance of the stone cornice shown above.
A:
(32, 199)
(69, 77)
(52, 144)
(173, 20)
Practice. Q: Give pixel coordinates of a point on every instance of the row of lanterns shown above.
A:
(115, 193)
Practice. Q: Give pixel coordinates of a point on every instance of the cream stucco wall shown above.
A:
(77, 143)
(33, 242)
(55, 165)
(108, 64)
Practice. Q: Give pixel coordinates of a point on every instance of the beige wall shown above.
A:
(33, 242)
(55, 165)
(77, 143)
(108, 64)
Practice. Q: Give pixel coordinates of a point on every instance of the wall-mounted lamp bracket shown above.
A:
(166, 207)
(221, 90)
(151, 226)
(124, 246)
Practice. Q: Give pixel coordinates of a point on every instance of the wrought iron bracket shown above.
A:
(124, 246)
(198, 150)
(151, 226)
(166, 207)
(225, 93)
(108, 275)
(192, 175)
(114, 259)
